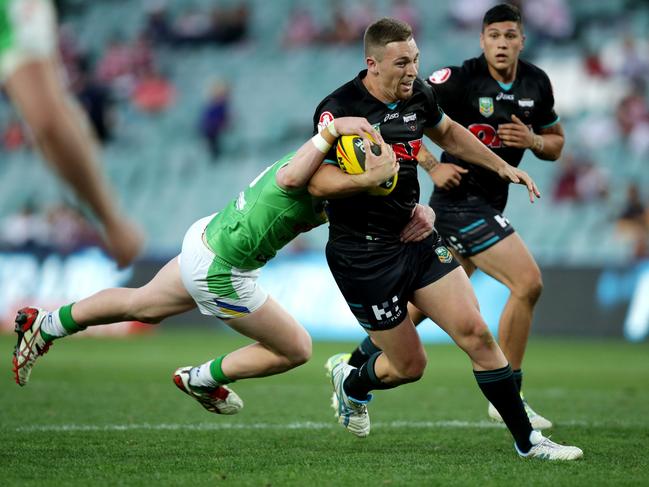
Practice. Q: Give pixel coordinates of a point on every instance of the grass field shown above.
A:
(105, 412)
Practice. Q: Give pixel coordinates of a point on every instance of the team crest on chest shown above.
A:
(411, 121)
(486, 105)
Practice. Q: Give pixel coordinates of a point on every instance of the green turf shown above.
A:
(105, 412)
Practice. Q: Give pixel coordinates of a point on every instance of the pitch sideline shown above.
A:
(306, 425)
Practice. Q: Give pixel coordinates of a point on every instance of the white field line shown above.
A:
(307, 425)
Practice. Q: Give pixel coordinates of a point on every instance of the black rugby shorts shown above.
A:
(470, 227)
(378, 279)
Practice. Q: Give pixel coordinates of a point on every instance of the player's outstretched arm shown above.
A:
(546, 145)
(330, 181)
(445, 176)
(458, 141)
(308, 158)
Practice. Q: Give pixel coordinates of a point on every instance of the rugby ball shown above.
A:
(350, 154)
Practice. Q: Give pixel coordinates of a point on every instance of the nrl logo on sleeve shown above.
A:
(325, 119)
(440, 76)
(486, 105)
(443, 254)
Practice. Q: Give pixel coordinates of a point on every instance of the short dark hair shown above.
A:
(384, 31)
(504, 12)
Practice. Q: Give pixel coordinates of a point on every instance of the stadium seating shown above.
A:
(164, 175)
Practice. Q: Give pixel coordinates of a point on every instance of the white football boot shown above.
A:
(218, 400)
(351, 413)
(537, 421)
(545, 449)
(329, 366)
(30, 343)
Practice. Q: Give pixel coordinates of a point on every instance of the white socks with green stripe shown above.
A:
(52, 326)
(201, 376)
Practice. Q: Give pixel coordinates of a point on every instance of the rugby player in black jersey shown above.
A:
(378, 273)
(508, 104)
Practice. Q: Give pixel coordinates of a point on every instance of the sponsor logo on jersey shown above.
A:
(504, 96)
(486, 104)
(440, 76)
(411, 121)
(391, 116)
(526, 103)
(443, 254)
(325, 119)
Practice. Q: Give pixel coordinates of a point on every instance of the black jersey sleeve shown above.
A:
(546, 115)
(328, 109)
(448, 86)
(432, 108)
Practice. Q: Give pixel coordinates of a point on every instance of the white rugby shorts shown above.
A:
(31, 34)
(218, 288)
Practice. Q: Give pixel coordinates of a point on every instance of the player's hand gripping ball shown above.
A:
(350, 153)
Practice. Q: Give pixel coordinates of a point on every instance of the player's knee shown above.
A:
(475, 335)
(412, 369)
(138, 309)
(529, 286)
(148, 316)
(149, 319)
(301, 351)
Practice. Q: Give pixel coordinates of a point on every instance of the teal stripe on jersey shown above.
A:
(440, 120)
(548, 125)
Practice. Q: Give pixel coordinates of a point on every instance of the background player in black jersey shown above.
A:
(508, 104)
(378, 273)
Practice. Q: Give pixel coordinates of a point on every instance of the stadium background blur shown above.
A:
(192, 99)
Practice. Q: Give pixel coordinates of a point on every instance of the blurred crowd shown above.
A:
(129, 76)
(632, 222)
(345, 23)
(197, 26)
(59, 229)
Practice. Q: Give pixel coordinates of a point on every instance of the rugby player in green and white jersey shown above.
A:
(217, 271)
(32, 76)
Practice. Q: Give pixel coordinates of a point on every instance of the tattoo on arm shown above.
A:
(427, 160)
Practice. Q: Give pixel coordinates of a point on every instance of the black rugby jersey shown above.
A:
(471, 97)
(401, 125)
